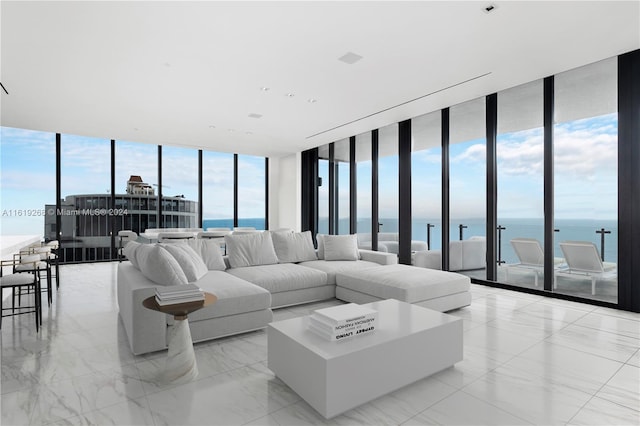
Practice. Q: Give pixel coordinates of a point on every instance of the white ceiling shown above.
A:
(166, 72)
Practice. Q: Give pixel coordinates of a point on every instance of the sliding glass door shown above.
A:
(585, 178)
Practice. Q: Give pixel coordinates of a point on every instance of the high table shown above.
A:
(180, 365)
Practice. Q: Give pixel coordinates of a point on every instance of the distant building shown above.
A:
(87, 219)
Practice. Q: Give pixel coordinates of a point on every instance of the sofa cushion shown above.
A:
(331, 268)
(235, 296)
(281, 277)
(129, 251)
(292, 247)
(190, 261)
(340, 247)
(159, 266)
(210, 253)
(403, 282)
(252, 249)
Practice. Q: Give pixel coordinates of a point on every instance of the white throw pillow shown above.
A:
(320, 239)
(341, 247)
(130, 251)
(292, 247)
(190, 261)
(209, 252)
(159, 266)
(250, 249)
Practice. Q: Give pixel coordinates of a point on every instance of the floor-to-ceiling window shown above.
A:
(179, 187)
(426, 179)
(363, 186)
(388, 186)
(323, 189)
(467, 154)
(520, 183)
(341, 161)
(217, 190)
(585, 179)
(85, 178)
(28, 175)
(251, 191)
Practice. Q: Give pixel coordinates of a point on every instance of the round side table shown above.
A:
(180, 365)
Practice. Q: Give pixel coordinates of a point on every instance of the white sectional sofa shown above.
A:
(261, 271)
(248, 282)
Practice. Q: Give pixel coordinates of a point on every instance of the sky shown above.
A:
(585, 157)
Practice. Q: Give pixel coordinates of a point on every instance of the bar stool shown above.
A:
(18, 281)
(33, 264)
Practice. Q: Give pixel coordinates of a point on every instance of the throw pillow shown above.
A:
(159, 266)
(341, 247)
(190, 261)
(320, 239)
(130, 252)
(250, 249)
(292, 247)
(210, 253)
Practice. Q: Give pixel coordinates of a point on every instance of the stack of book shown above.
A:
(178, 294)
(344, 321)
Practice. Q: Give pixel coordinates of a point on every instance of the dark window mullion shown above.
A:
(353, 187)
(445, 188)
(548, 112)
(374, 190)
(492, 187)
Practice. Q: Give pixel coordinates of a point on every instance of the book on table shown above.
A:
(339, 322)
(179, 294)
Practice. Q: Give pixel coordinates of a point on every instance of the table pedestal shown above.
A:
(180, 365)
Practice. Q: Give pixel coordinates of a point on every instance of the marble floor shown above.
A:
(527, 360)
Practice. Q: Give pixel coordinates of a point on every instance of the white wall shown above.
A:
(285, 192)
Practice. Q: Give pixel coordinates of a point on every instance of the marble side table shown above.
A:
(180, 365)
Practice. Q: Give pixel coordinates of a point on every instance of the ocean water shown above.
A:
(257, 223)
(569, 230)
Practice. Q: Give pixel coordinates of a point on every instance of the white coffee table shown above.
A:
(410, 343)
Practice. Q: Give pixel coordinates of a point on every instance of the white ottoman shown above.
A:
(438, 290)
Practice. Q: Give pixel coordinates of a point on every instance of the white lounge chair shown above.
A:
(530, 256)
(582, 258)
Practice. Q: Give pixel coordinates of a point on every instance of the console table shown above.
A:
(180, 365)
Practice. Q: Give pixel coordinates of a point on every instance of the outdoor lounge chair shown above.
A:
(530, 256)
(582, 258)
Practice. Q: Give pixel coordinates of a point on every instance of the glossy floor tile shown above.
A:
(527, 360)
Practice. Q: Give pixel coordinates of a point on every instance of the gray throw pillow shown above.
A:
(190, 261)
(292, 247)
(341, 247)
(250, 249)
(159, 266)
(210, 253)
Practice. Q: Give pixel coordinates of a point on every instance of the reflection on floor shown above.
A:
(576, 285)
(528, 360)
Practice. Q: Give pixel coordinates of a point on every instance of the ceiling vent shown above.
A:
(254, 115)
(350, 58)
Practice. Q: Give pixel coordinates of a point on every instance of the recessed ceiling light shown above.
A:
(350, 58)
(489, 8)
(264, 89)
(212, 126)
(289, 95)
(136, 129)
(312, 101)
(255, 115)
(249, 133)
(167, 64)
